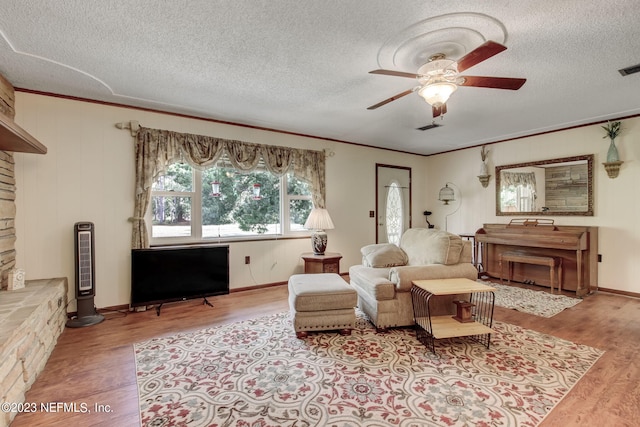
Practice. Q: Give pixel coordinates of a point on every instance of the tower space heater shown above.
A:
(85, 277)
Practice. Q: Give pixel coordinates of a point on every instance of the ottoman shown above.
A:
(321, 302)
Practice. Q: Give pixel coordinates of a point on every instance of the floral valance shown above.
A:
(157, 149)
(518, 178)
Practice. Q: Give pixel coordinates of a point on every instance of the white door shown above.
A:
(393, 202)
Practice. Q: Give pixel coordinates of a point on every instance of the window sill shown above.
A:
(225, 240)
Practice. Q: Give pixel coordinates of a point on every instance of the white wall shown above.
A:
(88, 175)
(616, 201)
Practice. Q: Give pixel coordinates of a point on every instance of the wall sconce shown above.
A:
(215, 189)
(613, 168)
(256, 192)
(613, 163)
(484, 169)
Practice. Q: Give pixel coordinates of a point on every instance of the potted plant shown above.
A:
(612, 130)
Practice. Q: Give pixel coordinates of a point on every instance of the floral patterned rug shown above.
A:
(540, 303)
(257, 373)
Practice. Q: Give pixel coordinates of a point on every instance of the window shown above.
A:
(394, 213)
(188, 204)
(517, 191)
(520, 198)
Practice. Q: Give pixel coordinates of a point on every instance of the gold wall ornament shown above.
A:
(484, 180)
(613, 168)
(484, 176)
(612, 130)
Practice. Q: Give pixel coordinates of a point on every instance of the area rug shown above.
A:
(257, 373)
(540, 303)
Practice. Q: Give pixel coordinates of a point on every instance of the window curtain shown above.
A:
(156, 150)
(518, 178)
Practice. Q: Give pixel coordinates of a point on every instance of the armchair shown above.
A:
(383, 280)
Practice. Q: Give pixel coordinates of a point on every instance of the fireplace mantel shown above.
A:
(15, 139)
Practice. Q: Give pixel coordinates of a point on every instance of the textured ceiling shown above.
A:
(302, 66)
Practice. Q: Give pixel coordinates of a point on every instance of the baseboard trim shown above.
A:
(250, 288)
(125, 307)
(617, 292)
(270, 285)
(115, 308)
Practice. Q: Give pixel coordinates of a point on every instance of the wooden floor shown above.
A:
(95, 365)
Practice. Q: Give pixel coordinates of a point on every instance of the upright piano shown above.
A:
(576, 245)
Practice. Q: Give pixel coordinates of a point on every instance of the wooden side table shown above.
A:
(327, 263)
(475, 324)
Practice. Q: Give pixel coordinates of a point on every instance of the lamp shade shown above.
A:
(437, 94)
(446, 194)
(319, 219)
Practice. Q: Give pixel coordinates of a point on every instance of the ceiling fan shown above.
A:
(440, 77)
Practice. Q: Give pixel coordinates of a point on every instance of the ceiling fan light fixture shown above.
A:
(440, 77)
(437, 94)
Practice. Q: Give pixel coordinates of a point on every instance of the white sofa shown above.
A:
(383, 281)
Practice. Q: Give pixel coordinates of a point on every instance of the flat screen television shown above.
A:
(160, 275)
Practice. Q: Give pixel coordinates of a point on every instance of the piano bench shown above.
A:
(554, 264)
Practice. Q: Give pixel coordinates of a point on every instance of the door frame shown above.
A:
(383, 165)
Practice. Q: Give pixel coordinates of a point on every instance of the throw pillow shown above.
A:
(427, 246)
(383, 255)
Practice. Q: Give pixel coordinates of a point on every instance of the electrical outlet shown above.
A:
(599, 257)
(372, 214)
(247, 260)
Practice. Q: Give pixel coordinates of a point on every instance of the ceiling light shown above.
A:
(437, 94)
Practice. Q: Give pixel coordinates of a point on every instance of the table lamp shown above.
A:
(319, 220)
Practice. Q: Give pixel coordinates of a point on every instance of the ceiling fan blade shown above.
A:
(511, 83)
(479, 54)
(438, 111)
(395, 73)
(388, 100)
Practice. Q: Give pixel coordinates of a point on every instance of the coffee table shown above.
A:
(475, 323)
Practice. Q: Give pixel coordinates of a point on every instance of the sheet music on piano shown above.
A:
(531, 222)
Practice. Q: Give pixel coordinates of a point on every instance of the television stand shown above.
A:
(205, 301)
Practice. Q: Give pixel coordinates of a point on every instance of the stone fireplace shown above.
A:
(7, 192)
(32, 318)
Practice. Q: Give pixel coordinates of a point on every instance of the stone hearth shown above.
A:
(31, 320)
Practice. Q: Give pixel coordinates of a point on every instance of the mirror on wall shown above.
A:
(547, 187)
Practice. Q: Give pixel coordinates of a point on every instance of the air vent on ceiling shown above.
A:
(630, 70)
(431, 126)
